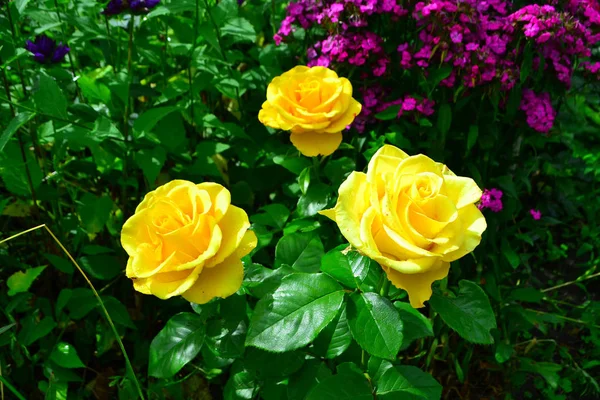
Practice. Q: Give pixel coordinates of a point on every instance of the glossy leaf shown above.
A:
(297, 311)
(408, 382)
(335, 338)
(301, 251)
(66, 356)
(178, 343)
(470, 313)
(375, 324)
(342, 387)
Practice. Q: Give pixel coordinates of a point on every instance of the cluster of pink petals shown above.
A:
(492, 199)
(535, 214)
(538, 109)
(482, 42)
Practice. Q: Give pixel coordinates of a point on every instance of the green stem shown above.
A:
(11, 388)
(64, 34)
(223, 54)
(96, 294)
(20, 139)
(570, 283)
(385, 288)
(13, 104)
(127, 110)
(15, 37)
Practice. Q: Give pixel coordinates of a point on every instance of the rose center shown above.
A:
(165, 223)
(308, 93)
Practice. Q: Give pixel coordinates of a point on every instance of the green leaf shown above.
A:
(18, 121)
(415, 324)
(60, 263)
(148, 120)
(273, 215)
(240, 29)
(444, 120)
(297, 311)
(512, 257)
(117, 311)
(81, 302)
(94, 90)
(178, 343)
(346, 386)
(65, 355)
(20, 281)
(375, 324)
(548, 370)
(503, 352)
(49, 99)
(527, 65)
(14, 171)
(7, 327)
(240, 386)
(151, 162)
(272, 365)
(527, 295)
(301, 251)
(338, 170)
(360, 265)
(470, 313)
(389, 113)
(314, 200)
(301, 383)
(101, 266)
(32, 330)
(472, 137)
(335, 338)
(293, 164)
(336, 265)
(408, 382)
(94, 212)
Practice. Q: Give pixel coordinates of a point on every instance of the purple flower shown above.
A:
(114, 7)
(142, 6)
(535, 214)
(46, 51)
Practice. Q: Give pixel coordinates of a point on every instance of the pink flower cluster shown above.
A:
(535, 214)
(479, 43)
(539, 111)
(491, 199)
(558, 37)
(374, 102)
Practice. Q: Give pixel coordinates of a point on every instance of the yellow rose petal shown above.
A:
(220, 198)
(233, 225)
(313, 144)
(352, 204)
(330, 213)
(462, 191)
(346, 119)
(221, 281)
(418, 286)
(169, 284)
(473, 225)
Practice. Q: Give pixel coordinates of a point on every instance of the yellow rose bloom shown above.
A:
(187, 239)
(412, 215)
(314, 104)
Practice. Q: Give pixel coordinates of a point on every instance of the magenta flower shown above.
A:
(535, 214)
(492, 199)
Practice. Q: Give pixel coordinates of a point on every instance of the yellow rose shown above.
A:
(187, 239)
(314, 104)
(412, 215)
